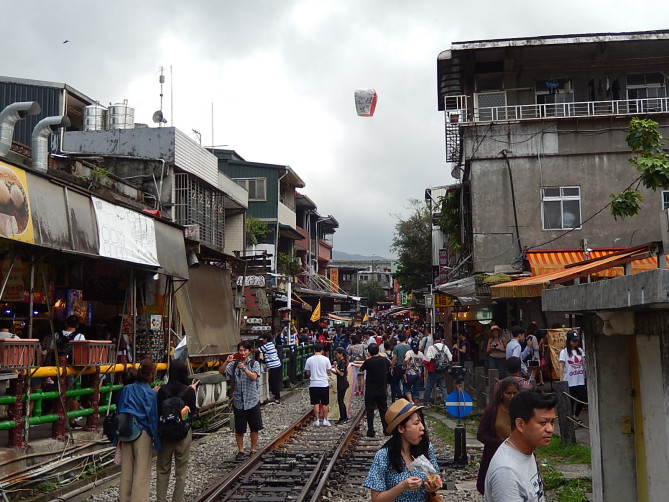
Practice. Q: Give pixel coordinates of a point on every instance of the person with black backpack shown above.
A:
(176, 406)
(62, 340)
(437, 359)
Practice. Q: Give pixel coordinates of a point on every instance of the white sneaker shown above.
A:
(326, 423)
(317, 423)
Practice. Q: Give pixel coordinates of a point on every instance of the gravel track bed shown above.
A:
(211, 457)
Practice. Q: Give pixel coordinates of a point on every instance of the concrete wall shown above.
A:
(627, 376)
(551, 156)
(234, 234)
(609, 400)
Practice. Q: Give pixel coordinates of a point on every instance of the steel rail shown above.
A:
(213, 494)
(318, 491)
(314, 485)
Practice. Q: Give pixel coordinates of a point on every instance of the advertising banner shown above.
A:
(124, 234)
(15, 216)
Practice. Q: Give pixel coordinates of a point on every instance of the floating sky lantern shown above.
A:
(365, 102)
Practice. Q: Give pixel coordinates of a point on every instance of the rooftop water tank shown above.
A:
(121, 116)
(95, 117)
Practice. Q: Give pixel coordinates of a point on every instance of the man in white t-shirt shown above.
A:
(513, 474)
(316, 368)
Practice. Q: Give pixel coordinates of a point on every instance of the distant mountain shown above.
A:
(342, 255)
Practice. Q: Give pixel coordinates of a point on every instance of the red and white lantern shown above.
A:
(365, 102)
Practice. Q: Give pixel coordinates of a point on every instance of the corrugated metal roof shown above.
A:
(45, 83)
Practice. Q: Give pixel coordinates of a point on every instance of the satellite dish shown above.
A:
(158, 117)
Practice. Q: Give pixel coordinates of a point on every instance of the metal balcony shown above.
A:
(555, 110)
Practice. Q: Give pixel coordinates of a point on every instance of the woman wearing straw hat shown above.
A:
(392, 475)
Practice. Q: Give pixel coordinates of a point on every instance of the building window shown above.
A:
(561, 208)
(645, 85)
(665, 199)
(255, 187)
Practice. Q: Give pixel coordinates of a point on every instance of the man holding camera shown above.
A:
(243, 372)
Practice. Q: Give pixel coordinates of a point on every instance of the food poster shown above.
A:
(15, 217)
(76, 305)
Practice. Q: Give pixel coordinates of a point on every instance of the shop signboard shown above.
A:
(334, 279)
(442, 301)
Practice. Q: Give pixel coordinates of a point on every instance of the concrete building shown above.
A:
(535, 131)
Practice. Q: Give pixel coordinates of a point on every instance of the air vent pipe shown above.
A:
(10, 116)
(40, 143)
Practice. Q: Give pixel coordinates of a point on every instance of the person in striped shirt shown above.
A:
(269, 355)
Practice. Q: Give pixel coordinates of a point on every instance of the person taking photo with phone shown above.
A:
(243, 372)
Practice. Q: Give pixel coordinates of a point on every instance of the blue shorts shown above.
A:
(412, 385)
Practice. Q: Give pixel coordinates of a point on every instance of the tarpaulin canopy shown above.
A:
(464, 290)
(207, 312)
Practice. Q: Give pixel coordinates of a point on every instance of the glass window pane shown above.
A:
(241, 183)
(260, 188)
(552, 216)
(571, 191)
(551, 192)
(654, 78)
(571, 217)
(636, 79)
(252, 189)
(665, 200)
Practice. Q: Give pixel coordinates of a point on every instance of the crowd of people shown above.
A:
(391, 362)
(395, 367)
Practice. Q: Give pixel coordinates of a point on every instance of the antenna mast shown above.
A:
(161, 79)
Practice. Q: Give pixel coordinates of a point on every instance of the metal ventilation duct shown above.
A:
(40, 143)
(10, 116)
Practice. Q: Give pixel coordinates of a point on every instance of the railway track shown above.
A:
(295, 466)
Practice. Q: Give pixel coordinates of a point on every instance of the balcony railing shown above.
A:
(556, 110)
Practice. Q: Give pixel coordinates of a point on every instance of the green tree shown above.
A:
(649, 159)
(412, 243)
(449, 218)
(256, 230)
(373, 291)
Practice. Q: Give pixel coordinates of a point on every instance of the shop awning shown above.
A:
(533, 286)
(552, 260)
(339, 318)
(463, 289)
(207, 313)
(305, 306)
(67, 220)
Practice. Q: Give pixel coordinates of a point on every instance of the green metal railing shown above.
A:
(38, 396)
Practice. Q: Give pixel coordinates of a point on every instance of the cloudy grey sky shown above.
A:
(281, 76)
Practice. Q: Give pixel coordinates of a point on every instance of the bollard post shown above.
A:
(460, 459)
(567, 433)
(479, 379)
(469, 374)
(493, 378)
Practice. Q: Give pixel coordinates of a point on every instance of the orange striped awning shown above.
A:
(548, 261)
(599, 266)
